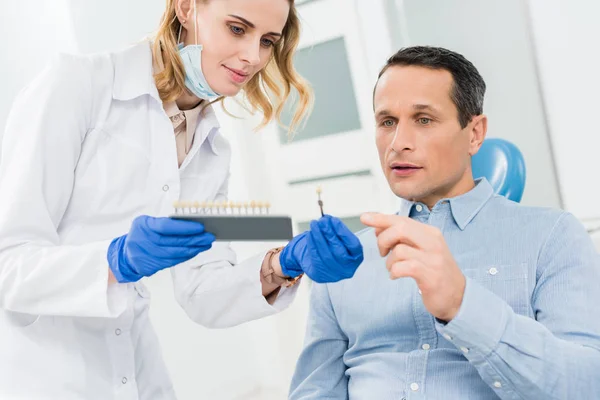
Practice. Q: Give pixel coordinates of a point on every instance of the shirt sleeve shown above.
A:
(321, 371)
(41, 148)
(557, 354)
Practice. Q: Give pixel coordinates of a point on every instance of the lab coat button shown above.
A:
(166, 188)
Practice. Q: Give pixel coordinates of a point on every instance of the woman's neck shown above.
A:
(187, 101)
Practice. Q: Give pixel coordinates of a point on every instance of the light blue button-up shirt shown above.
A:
(528, 326)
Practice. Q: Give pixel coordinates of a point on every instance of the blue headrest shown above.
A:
(502, 164)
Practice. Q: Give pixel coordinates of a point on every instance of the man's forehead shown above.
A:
(412, 86)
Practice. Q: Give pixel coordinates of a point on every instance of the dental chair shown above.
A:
(502, 164)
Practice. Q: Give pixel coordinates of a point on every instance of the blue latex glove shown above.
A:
(154, 244)
(328, 252)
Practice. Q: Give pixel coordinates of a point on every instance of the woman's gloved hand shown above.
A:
(328, 252)
(154, 244)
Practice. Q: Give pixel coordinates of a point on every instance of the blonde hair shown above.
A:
(266, 92)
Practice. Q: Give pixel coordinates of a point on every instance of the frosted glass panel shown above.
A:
(325, 66)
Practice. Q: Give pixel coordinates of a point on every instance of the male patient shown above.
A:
(465, 295)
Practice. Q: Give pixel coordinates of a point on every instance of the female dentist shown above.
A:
(96, 145)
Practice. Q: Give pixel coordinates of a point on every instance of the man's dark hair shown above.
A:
(468, 89)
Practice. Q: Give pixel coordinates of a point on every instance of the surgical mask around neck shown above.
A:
(191, 56)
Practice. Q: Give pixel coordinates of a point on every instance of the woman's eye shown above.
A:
(267, 42)
(236, 30)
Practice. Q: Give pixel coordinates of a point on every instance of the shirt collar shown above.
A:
(203, 117)
(464, 207)
(134, 75)
(187, 117)
(210, 128)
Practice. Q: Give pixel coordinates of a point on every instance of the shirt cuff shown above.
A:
(117, 297)
(285, 297)
(480, 323)
(102, 299)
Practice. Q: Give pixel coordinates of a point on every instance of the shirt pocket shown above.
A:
(510, 282)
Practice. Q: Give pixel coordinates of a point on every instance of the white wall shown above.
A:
(566, 35)
(110, 24)
(31, 35)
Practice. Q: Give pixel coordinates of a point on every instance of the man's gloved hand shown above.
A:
(327, 253)
(154, 244)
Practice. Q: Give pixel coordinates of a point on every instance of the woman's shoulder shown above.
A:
(70, 68)
(99, 62)
(97, 73)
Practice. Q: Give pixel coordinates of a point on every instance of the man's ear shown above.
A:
(477, 132)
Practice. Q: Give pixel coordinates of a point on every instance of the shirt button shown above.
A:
(124, 380)
(414, 387)
(426, 346)
(420, 291)
(447, 337)
(419, 208)
(493, 271)
(464, 350)
(166, 188)
(117, 332)
(497, 384)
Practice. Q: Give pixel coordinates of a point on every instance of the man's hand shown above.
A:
(419, 251)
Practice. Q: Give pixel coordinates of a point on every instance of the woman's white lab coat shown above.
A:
(88, 148)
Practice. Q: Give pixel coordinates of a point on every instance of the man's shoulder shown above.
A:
(500, 208)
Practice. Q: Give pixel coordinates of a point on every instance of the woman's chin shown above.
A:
(228, 91)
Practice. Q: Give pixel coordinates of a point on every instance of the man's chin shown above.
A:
(408, 193)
